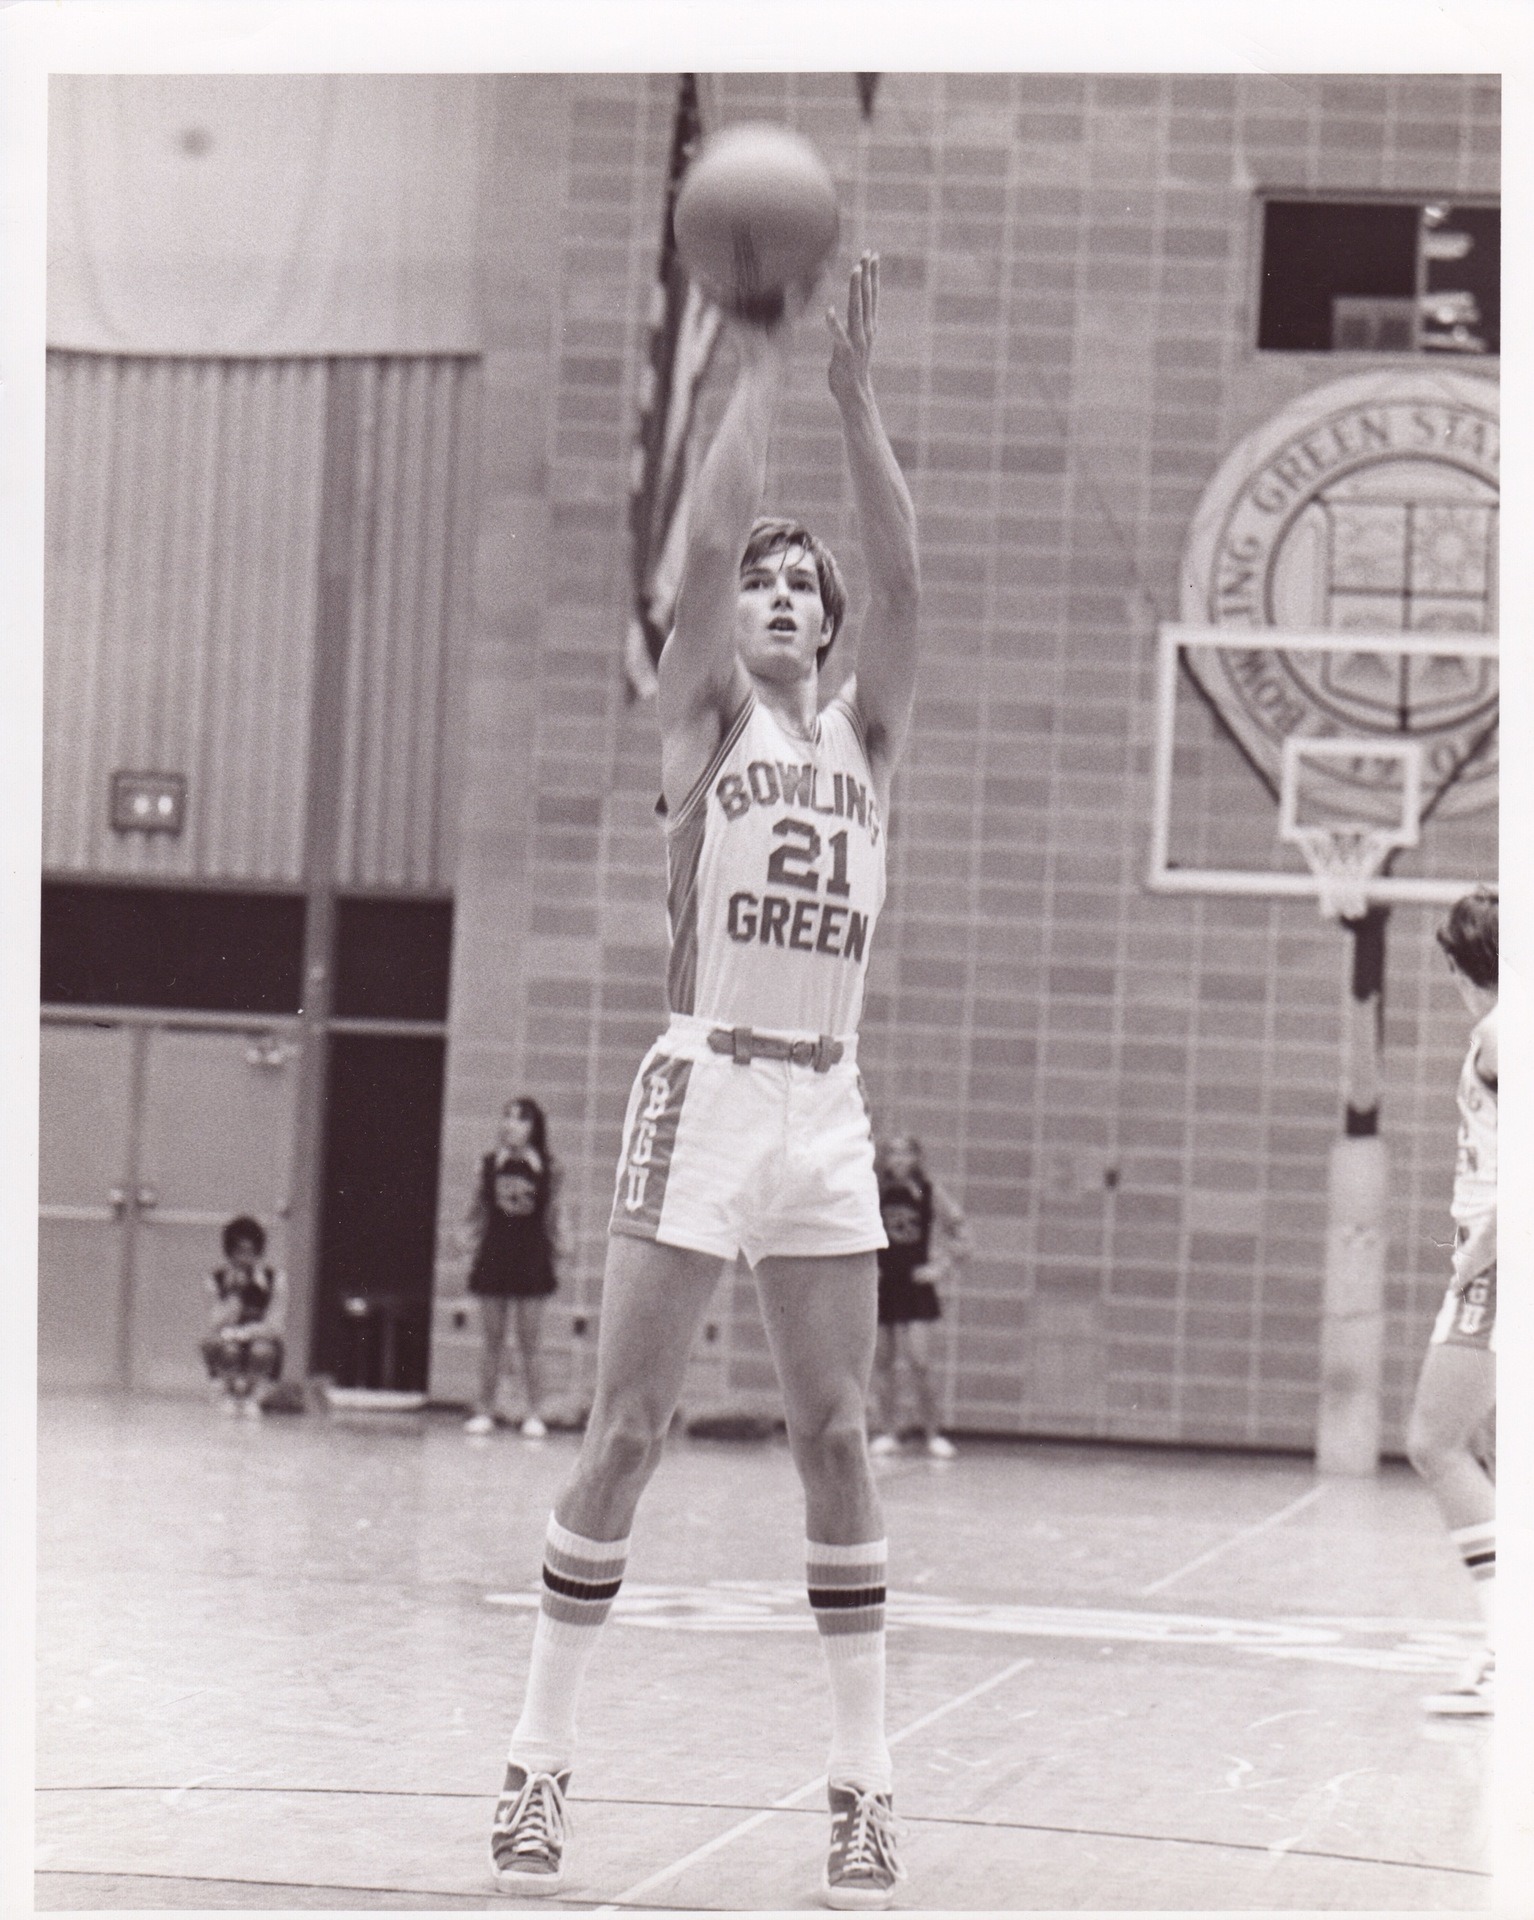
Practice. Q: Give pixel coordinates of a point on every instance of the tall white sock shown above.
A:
(1478, 1549)
(580, 1582)
(847, 1598)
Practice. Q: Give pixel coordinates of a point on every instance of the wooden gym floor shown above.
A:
(279, 1662)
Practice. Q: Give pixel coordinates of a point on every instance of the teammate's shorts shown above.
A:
(1469, 1318)
(758, 1159)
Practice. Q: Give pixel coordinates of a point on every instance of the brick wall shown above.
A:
(1133, 1096)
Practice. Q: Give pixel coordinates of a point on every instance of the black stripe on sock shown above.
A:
(580, 1589)
(1486, 1558)
(846, 1596)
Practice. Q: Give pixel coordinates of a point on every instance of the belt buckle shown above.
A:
(802, 1053)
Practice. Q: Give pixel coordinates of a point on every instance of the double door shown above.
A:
(153, 1133)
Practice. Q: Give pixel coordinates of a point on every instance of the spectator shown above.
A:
(247, 1310)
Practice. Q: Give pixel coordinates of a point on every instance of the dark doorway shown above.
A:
(378, 1232)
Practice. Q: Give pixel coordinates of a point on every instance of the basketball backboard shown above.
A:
(1264, 737)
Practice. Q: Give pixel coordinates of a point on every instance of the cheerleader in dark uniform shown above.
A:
(513, 1220)
(912, 1206)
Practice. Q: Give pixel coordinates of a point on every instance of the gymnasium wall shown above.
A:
(1133, 1096)
(183, 516)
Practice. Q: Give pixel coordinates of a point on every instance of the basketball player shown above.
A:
(1457, 1390)
(747, 1131)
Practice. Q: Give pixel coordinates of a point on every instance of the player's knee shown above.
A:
(831, 1449)
(627, 1441)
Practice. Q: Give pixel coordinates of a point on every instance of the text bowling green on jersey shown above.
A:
(809, 925)
(777, 878)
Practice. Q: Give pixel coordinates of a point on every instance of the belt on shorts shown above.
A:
(746, 1045)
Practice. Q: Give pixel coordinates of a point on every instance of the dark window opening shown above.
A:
(1380, 276)
(187, 948)
(392, 959)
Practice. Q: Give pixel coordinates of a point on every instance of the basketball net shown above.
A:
(1344, 860)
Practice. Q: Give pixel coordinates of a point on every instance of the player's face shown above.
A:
(780, 620)
(516, 1128)
(243, 1255)
(1477, 1000)
(901, 1158)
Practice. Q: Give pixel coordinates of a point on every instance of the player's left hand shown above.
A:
(852, 345)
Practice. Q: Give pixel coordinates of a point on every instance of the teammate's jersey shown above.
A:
(1475, 1165)
(776, 876)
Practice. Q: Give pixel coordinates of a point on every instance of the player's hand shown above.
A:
(852, 345)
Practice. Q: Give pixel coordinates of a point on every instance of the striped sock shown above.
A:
(580, 1582)
(1478, 1549)
(847, 1598)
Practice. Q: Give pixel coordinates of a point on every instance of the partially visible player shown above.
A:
(1457, 1390)
(747, 1129)
(915, 1207)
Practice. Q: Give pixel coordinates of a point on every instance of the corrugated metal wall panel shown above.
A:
(397, 689)
(182, 511)
(183, 514)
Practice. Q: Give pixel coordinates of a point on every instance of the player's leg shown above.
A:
(653, 1297)
(918, 1336)
(1456, 1393)
(886, 1396)
(222, 1358)
(492, 1341)
(529, 1315)
(820, 1320)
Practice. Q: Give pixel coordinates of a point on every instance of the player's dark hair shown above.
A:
(242, 1227)
(537, 1123)
(773, 536)
(1469, 936)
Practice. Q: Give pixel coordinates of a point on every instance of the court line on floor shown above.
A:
(743, 1827)
(1235, 1540)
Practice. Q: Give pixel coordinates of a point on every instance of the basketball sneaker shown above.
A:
(883, 1444)
(1471, 1692)
(478, 1423)
(527, 1842)
(533, 1428)
(862, 1866)
(941, 1447)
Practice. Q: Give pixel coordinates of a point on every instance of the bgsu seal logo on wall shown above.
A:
(1368, 505)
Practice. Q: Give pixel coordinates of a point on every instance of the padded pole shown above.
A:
(1358, 1201)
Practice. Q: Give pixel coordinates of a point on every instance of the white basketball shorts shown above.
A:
(758, 1159)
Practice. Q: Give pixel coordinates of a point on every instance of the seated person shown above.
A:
(247, 1307)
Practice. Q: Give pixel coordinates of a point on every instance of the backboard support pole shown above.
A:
(1348, 1417)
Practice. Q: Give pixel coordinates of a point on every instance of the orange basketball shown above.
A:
(755, 214)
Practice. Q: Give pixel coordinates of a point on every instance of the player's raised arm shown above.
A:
(883, 648)
(700, 680)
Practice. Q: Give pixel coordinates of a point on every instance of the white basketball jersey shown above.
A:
(1475, 1165)
(775, 877)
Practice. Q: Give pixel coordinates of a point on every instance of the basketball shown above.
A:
(756, 214)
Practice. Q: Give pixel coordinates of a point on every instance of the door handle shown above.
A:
(117, 1200)
(147, 1198)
